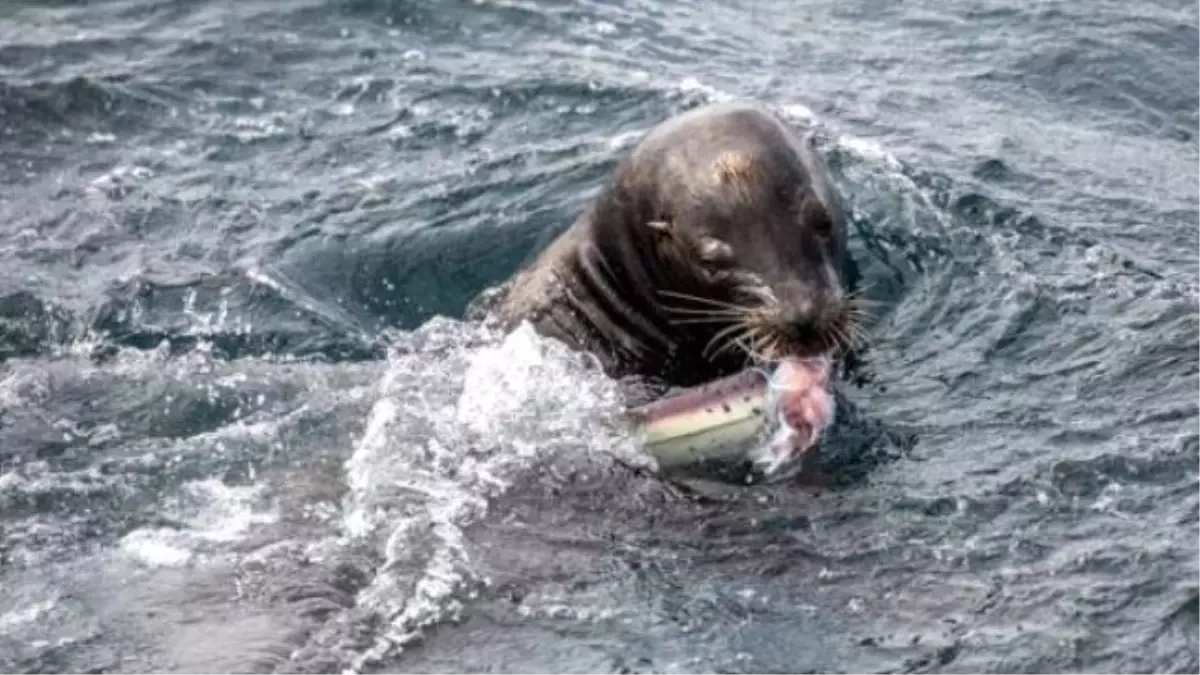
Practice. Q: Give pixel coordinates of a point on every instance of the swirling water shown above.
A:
(244, 428)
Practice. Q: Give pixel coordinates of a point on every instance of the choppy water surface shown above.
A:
(244, 428)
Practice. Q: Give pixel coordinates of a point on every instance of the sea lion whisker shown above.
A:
(853, 318)
(860, 304)
(862, 289)
(825, 340)
(700, 320)
(755, 358)
(700, 299)
(703, 312)
(850, 330)
(857, 312)
(760, 346)
(841, 339)
(715, 350)
(778, 345)
(851, 322)
(760, 342)
(761, 317)
(865, 302)
(732, 341)
(773, 347)
(859, 335)
(722, 349)
(731, 330)
(847, 322)
(746, 341)
(720, 335)
(833, 333)
(762, 294)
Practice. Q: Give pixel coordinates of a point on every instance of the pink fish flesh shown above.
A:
(798, 396)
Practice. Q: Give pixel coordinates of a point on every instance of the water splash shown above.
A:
(461, 414)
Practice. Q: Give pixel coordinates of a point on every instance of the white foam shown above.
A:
(214, 515)
(626, 139)
(229, 512)
(155, 548)
(869, 150)
(27, 613)
(459, 417)
(692, 85)
(798, 112)
(11, 481)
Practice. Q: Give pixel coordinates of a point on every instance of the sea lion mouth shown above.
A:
(832, 330)
(759, 326)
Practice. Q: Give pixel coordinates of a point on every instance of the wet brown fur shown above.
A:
(730, 171)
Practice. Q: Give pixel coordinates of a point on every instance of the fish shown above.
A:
(713, 421)
(769, 415)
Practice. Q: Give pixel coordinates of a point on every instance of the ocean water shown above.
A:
(244, 428)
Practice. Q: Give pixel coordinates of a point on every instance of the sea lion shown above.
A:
(719, 241)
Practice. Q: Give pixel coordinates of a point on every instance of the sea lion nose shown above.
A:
(803, 315)
(797, 305)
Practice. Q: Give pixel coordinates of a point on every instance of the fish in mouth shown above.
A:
(777, 408)
(771, 416)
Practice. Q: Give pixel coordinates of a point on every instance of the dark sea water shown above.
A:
(243, 426)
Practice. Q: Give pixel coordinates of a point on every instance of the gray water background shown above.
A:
(242, 429)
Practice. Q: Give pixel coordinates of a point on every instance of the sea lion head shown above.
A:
(752, 242)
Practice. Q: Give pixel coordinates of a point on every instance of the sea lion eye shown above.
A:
(713, 250)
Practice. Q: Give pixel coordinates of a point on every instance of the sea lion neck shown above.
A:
(612, 268)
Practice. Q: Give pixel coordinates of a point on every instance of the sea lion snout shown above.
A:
(806, 306)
